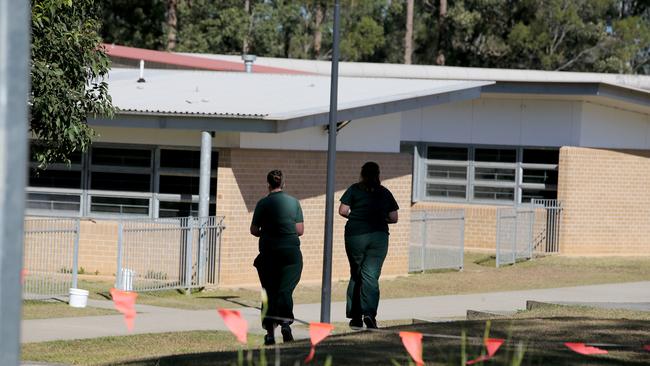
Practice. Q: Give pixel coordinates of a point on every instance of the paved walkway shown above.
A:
(152, 319)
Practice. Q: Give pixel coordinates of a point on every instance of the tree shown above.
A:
(408, 38)
(171, 22)
(68, 67)
(135, 23)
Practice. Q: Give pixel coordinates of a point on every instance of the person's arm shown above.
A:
(392, 217)
(255, 231)
(344, 210)
(300, 228)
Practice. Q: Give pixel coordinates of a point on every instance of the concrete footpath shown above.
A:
(152, 319)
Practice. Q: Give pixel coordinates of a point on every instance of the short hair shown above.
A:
(275, 179)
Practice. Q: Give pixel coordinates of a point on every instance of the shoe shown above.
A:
(286, 333)
(370, 322)
(356, 323)
(269, 340)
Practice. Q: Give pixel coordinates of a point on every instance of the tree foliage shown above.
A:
(67, 70)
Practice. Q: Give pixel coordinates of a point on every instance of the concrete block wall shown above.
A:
(242, 182)
(606, 199)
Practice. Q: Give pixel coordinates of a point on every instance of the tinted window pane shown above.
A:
(494, 174)
(496, 155)
(185, 159)
(528, 194)
(447, 153)
(55, 179)
(494, 193)
(118, 205)
(54, 202)
(121, 157)
(182, 209)
(446, 172)
(183, 185)
(548, 177)
(540, 156)
(121, 182)
(75, 157)
(446, 190)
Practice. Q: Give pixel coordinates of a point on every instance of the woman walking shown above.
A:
(369, 208)
(278, 222)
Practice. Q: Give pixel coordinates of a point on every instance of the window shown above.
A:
(488, 174)
(121, 180)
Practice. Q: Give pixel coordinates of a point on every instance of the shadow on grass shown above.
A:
(542, 338)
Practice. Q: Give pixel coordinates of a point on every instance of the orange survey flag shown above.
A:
(124, 302)
(583, 349)
(647, 347)
(492, 346)
(413, 343)
(235, 323)
(23, 274)
(317, 332)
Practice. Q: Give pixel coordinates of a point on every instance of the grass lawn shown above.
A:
(540, 334)
(479, 275)
(107, 350)
(55, 309)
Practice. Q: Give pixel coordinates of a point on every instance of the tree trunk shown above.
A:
(172, 22)
(442, 14)
(408, 37)
(246, 45)
(318, 34)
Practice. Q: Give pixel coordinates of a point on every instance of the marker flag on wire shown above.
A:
(413, 343)
(124, 302)
(583, 349)
(492, 345)
(317, 332)
(235, 323)
(647, 347)
(23, 274)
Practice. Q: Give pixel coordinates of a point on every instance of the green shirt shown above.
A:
(368, 210)
(276, 215)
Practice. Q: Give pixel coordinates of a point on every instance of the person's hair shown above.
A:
(370, 176)
(275, 179)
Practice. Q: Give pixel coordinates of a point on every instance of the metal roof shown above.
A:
(264, 96)
(385, 70)
(186, 61)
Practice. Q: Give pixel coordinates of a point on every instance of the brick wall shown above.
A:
(480, 222)
(242, 182)
(606, 199)
(98, 247)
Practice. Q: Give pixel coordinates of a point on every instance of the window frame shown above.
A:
(421, 179)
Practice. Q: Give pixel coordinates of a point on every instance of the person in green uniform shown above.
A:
(369, 208)
(278, 222)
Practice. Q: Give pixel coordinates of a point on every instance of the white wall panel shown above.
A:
(548, 123)
(609, 127)
(162, 137)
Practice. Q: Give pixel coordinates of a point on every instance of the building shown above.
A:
(476, 139)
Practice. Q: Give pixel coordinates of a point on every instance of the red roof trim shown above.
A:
(193, 62)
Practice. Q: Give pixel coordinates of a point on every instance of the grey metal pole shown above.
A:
(14, 91)
(326, 289)
(204, 200)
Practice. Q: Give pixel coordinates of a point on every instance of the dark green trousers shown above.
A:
(366, 254)
(279, 271)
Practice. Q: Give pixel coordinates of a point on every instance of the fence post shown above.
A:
(188, 254)
(514, 242)
(498, 256)
(424, 242)
(462, 240)
(532, 232)
(120, 241)
(75, 254)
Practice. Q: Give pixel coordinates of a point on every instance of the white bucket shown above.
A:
(127, 279)
(78, 298)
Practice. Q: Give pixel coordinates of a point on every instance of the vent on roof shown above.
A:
(141, 79)
(248, 62)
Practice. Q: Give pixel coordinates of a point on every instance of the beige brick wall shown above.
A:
(242, 182)
(98, 247)
(606, 198)
(480, 222)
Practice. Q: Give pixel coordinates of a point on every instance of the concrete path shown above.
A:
(152, 319)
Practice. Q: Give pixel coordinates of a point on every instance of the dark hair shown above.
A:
(370, 176)
(275, 179)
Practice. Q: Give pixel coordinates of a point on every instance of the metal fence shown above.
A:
(170, 253)
(51, 251)
(515, 234)
(437, 239)
(548, 239)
